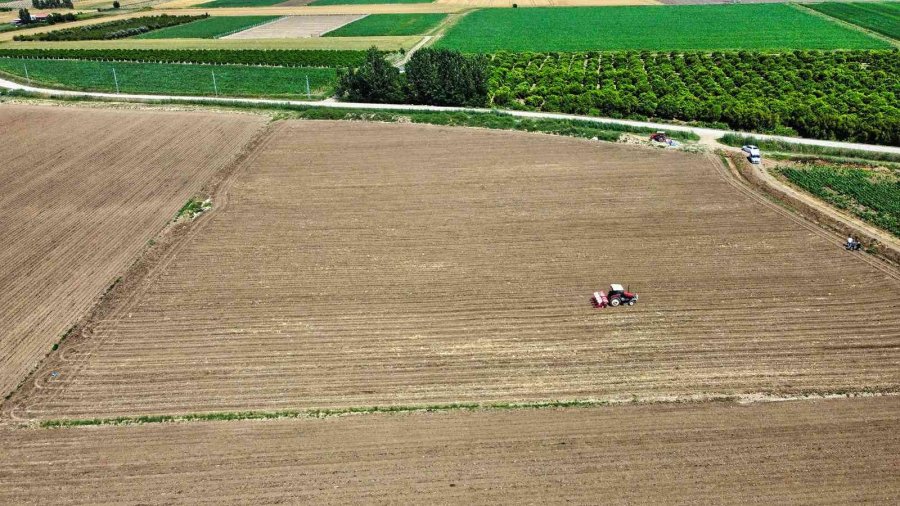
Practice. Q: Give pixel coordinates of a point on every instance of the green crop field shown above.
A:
(368, 2)
(870, 195)
(175, 79)
(663, 28)
(209, 28)
(389, 24)
(883, 18)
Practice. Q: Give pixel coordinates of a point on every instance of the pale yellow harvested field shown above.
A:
(83, 192)
(296, 27)
(357, 43)
(365, 264)
(811, 452)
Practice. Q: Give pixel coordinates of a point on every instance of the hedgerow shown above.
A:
(263, 57)
(113, 29)
(848, 95)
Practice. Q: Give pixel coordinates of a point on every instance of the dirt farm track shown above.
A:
(356, 264)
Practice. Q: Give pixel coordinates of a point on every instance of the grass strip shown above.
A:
(318, 413)
(492, 120)
(790, 147)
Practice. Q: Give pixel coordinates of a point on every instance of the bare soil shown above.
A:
(367, 264)
(83, 193)
(809, 452)
(296, 27)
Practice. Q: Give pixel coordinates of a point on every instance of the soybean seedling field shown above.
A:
(883, 18)
(870, 195)
(389, 24)
(662, 28)
(175, 79)
(209, 28)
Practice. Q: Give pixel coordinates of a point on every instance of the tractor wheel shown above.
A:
(614, 302)
(630, 302)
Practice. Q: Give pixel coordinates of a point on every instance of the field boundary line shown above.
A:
(321, 413)
(133, 283)
(200, 100)
(846, 24)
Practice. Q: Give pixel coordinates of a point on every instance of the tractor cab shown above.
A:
(617, 296)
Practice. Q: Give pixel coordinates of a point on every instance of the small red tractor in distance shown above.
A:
(663, 138)
(659, 136)
(616, 297)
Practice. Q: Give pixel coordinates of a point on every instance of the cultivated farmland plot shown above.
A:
(653, 28)
(366, 264)
(83, 192)
(841, 451)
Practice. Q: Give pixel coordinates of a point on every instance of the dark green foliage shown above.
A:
(263, 57)
(113, 29)
(375, 81)
(445, 77)
(56, 17)
(848, 95)
(873, 196)
(52, 4)
(24, 16)
(116, 5)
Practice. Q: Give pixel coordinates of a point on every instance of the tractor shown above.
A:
(616, 297)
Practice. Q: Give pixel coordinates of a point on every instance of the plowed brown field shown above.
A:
(809, 452)
(362, 264)
(82, 193)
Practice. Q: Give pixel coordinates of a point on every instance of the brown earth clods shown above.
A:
(808, 452)
(82, 193)
(366, 264)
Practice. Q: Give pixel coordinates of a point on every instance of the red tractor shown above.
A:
(616, 297)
